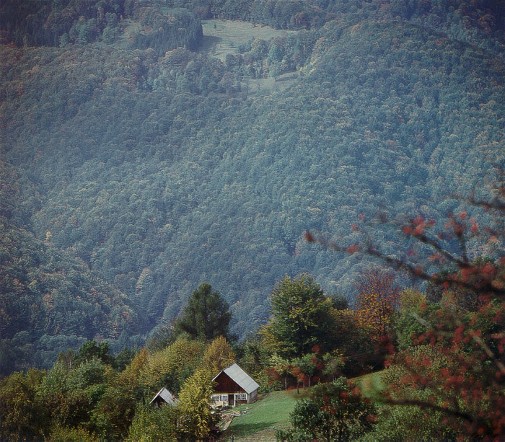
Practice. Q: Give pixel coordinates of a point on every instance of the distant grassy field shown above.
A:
(222, 37)
(263, 418)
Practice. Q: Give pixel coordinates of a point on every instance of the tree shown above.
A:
(406, 322)
(304, 368)
(94, 350)
(278, 368)
(196, 418)
(114, 413)
(70, 434)
(459, 359)
(206, 316)
(301, 317)
(23, 415)
(333, 364)
(154, 423)
(376, 301)
(335, 411)
(218, 355)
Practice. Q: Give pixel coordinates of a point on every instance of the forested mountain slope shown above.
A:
(49, 300)
(160, 170)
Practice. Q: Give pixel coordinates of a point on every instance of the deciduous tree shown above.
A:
(23, 416)
(218, 355)
(336, 411)
(196, 419)
(376, 301)
(301, 316)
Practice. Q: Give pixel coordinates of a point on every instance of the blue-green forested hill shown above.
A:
(160, 166)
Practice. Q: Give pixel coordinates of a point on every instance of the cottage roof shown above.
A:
(166, 396)
(246, 382)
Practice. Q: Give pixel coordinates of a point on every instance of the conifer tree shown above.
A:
(206, 316)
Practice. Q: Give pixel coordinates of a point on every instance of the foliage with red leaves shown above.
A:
(464, 378)
(460, 360)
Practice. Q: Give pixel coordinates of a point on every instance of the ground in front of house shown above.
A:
(260, 420)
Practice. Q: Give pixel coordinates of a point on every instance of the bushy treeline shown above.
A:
(35, 22)
(443, 349)
(470, 21)
(82, 21)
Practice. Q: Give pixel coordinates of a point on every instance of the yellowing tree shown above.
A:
(196, 420)
(375, 314)
(171, 366)
(219, 355)
(376, 302)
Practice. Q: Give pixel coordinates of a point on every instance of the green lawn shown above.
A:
(263, 418)
(271, 412)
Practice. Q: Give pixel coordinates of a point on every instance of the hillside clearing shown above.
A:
(371, 384)
(223, 37)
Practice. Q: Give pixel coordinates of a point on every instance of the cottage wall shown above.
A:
(226, 385)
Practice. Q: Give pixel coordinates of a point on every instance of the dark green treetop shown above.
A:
(206, 316)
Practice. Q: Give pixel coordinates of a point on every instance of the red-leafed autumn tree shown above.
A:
(455, 368)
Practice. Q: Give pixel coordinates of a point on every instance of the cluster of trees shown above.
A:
(51, 23)
(335, 411)
(446, 374)
(48, 23)
(166, 30)
(468, 21)
(90, 393)
(50, 300)
(78, 21)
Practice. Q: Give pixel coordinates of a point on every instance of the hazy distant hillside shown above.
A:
(50, 301)
(163, 170)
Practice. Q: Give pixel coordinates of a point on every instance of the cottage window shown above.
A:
(241, 396)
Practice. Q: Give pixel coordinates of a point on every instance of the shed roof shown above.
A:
(166, 396)
(238, 375)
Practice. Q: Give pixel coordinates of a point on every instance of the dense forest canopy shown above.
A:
(133, 157)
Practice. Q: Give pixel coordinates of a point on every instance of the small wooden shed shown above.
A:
(234, 386)
(163, 397)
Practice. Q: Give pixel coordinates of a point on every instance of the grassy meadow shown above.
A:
(264, 417)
